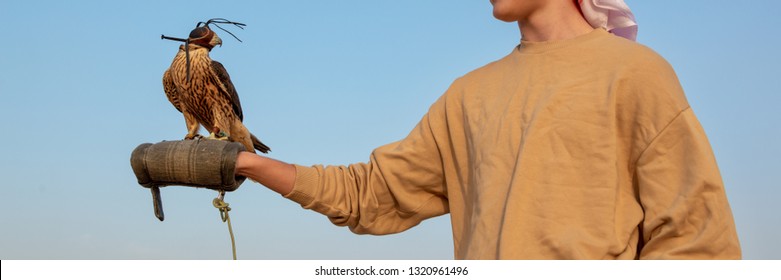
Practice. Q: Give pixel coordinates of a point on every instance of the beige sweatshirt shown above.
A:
(577, 149)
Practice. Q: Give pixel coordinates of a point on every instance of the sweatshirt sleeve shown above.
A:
(687, 215)
(401, 185)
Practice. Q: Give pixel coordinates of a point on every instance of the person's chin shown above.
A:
(504, 16)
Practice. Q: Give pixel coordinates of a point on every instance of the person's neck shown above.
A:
(553, 24)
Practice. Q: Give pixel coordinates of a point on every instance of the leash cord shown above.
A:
(223, 207)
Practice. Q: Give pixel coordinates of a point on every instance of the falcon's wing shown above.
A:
(170, 89)
(231, 93)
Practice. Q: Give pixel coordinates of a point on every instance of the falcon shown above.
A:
(201, 89)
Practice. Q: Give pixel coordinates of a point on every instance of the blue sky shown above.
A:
(320, 82)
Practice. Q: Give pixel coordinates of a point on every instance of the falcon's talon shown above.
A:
(193, 137)
(221, 137)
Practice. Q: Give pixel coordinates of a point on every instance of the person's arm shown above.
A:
(276, 175)
(401, 184)
(687, 215)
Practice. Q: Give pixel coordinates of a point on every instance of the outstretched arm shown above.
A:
(276, 175)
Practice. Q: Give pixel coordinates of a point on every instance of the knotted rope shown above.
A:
(223, 207)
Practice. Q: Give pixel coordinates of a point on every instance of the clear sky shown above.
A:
(320, 82)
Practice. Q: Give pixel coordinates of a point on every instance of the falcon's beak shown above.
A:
(216, 41)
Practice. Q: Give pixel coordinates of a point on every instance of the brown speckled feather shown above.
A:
(208, 98)
(227, 88)
(170, 90)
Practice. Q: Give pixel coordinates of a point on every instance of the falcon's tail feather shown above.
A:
(259, 145)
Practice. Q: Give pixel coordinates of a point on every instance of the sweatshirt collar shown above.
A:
(527, 47)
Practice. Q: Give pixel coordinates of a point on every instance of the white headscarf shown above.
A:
(612, 15)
